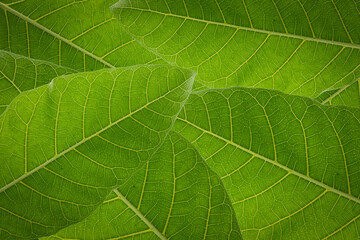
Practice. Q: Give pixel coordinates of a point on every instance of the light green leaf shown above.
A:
(66, 145)
(175, 196)
(80, 34)
(290, 165)
(18, 74)
(296, 46)
(347, 95)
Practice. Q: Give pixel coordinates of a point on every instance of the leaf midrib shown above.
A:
(311, 39)
(31, 21)
(140, 215)
(273, 162)
(84, 140)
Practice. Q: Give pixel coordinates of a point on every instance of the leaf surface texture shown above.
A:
(175, 196)
(19, 73)
(75, 139)
(289, 164)
(71, 33)
(299, 47)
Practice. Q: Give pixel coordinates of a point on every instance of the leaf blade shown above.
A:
(348, 95)
(62, 33)
(23, 74)
(280, 180)
(226, 55)
(170, 195)
(75, 139)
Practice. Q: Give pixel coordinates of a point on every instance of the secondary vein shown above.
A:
(31, 21)
(275, 163)
(140, 215)
(350, 45)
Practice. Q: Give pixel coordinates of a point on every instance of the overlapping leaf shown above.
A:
(299, 47)
(290, 165)
(80, 34)
(115, 212)
(175, 196)
(72, 141)
(18, 74)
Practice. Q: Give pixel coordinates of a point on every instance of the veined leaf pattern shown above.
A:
(175, 196)
(299, 47)
(74, 140)
(71, 33)
(346, 95)
(19, 73)
(213, 217)
(290, 165)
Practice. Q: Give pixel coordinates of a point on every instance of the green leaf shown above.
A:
(175, 196)
(347, 95)
(79, 34)
(18, 74)
(290, 165)
(296, 46)
(66, 145)
(186, 158)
